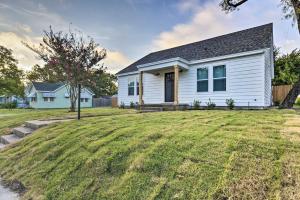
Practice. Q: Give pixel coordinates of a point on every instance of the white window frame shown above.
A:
(207, 68)
(48, 99)
(225, 77)
(129, 81)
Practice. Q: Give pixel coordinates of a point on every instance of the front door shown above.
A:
(169, 87)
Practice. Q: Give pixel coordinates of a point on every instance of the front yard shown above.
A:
(167, 155)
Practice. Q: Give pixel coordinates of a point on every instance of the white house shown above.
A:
(238, 65)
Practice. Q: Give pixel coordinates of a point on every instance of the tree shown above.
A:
(44, 74)
(71, 57)
(103, 83)
(10, 76)
(291, 8)
(287, 68)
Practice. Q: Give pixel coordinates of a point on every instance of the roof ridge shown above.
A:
(249, 39)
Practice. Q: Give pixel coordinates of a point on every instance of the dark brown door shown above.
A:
(169, 87)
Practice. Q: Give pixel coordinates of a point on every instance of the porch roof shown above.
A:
(164, 64)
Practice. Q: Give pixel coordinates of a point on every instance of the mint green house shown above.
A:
(54, 95)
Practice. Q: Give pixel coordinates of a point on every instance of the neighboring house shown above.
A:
(238, 65)
(13, 98)
(54, 95)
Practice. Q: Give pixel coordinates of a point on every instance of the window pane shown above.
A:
(202, 86)
(131, 84)
(219, 71)
(202, 73)
(130, 90)
(220, 84)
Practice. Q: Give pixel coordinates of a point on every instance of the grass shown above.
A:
(169, 155)
(15, 117)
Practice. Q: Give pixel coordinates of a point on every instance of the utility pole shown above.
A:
(78, 109)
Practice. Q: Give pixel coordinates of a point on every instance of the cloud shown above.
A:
(115, 61)
(25, 56)
(209, 21)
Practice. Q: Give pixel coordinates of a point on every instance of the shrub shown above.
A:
(122, 105)
(298, 101)
(196, 104)
(210, 105)
(10, 105)
(132, 105)
(230, 103)
(277, 103)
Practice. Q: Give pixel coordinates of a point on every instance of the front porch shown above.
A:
(170, 70)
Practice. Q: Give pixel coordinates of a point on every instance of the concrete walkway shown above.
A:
(6, 194)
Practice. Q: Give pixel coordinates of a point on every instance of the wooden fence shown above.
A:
(280, 92)
(114, 102)
(101, 102)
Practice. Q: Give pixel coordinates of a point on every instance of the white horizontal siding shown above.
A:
(245, 79)
(123, 96)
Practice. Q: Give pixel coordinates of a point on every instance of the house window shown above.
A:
(48, 99)
(219, 77)
(33, 99)
(202, 80)
(84, 100)
(130, 88)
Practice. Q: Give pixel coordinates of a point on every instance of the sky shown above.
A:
(130, 29)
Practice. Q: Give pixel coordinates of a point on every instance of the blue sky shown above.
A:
(129, 29)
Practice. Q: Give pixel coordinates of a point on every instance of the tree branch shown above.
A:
(230, 3)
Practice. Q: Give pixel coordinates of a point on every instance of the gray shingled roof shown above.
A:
(259, 37)
(44, 86)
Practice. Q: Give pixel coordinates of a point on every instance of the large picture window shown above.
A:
(219, 76)
(130, 87)
(202, 80)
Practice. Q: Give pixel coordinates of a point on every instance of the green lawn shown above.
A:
(166, 155)
(15, 117)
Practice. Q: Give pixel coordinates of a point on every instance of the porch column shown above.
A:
(141, 88)
(176, 78)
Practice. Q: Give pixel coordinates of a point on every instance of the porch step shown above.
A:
(151, 109)
(22, 131)
(36, 124)
(9, 139)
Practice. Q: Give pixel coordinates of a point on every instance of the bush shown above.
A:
(122, 105)
(196, 104)
(277, 103)
(298, 101)
(10, 105)
(230, 103)
(210, 105)
(132, 105)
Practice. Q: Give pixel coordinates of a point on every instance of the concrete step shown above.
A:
(9, 139)
(152, 109)
(36, 124)
(22, 131)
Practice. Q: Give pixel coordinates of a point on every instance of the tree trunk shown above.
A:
(290, 99)
(73, 97)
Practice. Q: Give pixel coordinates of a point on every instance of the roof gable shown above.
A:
(259, 37)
